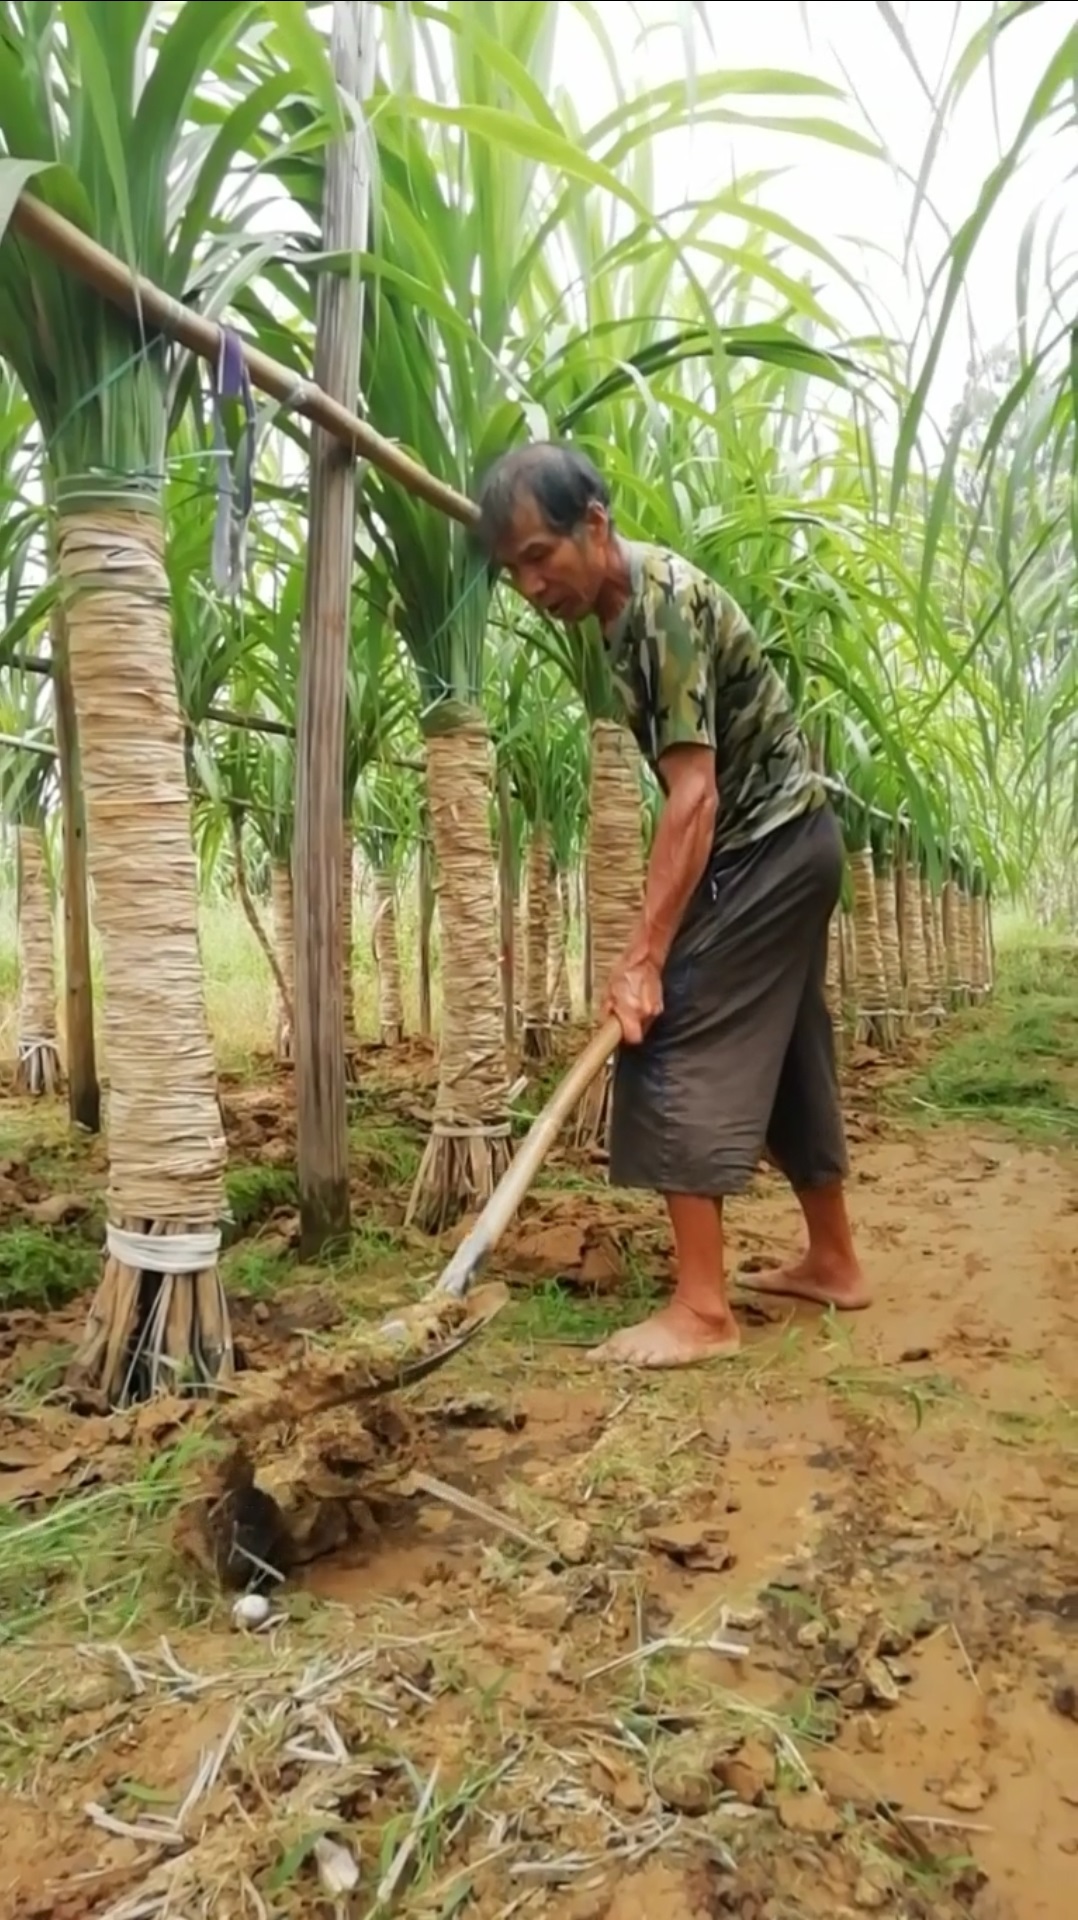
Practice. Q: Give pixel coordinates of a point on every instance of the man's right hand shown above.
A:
(635, 997)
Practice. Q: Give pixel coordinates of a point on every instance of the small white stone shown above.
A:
(338, 1869)
(251, 1610)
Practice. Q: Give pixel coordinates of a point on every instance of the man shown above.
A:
(728, 1045)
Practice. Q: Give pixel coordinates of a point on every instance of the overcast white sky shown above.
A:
(839, 196)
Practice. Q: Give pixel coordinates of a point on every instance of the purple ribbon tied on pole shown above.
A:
(235, 486)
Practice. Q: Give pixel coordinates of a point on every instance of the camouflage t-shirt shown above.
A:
(691, 672)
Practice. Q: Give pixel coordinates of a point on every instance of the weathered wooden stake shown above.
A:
(322, 1132)
(505, 909)
(83, 1090)
(426, 923)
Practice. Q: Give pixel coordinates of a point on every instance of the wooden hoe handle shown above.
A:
(511, 1189)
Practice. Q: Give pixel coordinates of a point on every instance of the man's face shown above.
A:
(561, 573)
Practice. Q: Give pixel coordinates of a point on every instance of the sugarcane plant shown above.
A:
(388, 825)
(567, 832)
(380, 724)
(537, 732)
(99, 118)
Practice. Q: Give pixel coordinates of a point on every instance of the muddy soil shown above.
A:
(793, 1636)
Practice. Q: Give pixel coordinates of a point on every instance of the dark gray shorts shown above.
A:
(743, 1054)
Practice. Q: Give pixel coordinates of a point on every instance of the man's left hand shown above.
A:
(635, 997)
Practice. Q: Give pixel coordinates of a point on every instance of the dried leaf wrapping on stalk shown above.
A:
(848, 951)
(615, 880)
(387, 958)
(561, 997)
(833, 984)
(887, 921)
(914, 953)
(964, 932)
(469, 1147)
(933, 956)
(166, 1144)
(284, 939)
(950, 936)
(871, 978)
(615, 852)
(38, 1070)
(537, 944)
(37, 967)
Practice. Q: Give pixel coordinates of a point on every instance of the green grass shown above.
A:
(1013, 1062)
(254, 1192)
(553, 1314)
(39, 1268)
(94, 1559)
(385, 1152)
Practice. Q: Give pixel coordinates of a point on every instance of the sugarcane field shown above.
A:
(538, 960)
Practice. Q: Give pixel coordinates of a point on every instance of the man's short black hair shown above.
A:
(561, 480)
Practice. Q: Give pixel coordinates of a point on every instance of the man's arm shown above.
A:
(685, 755)
(685, 751)
(679, 851)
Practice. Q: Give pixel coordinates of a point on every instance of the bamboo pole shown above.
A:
(152, 308)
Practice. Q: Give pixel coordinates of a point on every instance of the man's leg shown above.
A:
(806, 1140)
(828, 1272)
(697, 1324)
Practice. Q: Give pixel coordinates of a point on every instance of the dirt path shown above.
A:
(886, 1508)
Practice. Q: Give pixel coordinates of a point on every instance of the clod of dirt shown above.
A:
(808, 1813)
(880, 1683)
(308, 1310)
(311, 1496)
(1065, 1700)
(966, 1793)
(59, 1210)
(628, 1791)
(482, 1410)
(548, 1612)
(872, 1892)
(693, 1545)
(655, 1891)
(747, 1774)
(572, 1539)
(684, 1779)
(370, 1362)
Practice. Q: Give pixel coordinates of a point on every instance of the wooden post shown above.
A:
(321, 1119)
(426, 922)
(505, 909)
(83, 1090)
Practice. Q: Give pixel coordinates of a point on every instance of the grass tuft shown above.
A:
(254, 1192)
(1015, 1061)
(94, 1559)
(39, 1268)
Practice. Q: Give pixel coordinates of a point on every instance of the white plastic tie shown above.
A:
(174, 1253)
(35, 1043)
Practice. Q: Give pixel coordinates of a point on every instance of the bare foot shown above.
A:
(841, 1286)
(673, 1337)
